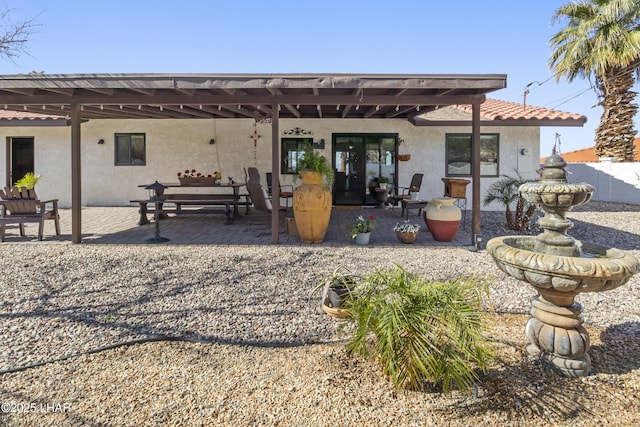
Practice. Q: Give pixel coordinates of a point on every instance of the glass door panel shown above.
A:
(349, 163)
(358, 159)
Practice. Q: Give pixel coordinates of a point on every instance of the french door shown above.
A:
(359, 158)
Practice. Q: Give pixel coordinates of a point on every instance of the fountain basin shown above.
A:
(557, 195)
(600, 268)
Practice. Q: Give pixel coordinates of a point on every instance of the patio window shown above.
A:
(292, 148)
(130, 149)
(458, 154)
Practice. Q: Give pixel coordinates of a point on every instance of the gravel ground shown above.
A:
(240, 341)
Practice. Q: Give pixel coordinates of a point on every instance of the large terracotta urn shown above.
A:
(312, 207)
(442, 218)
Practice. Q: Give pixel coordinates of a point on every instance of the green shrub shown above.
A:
(422, 330)
(314, 161)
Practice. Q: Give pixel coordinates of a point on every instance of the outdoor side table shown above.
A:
(412, 204)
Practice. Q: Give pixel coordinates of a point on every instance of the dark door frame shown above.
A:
(364, 136)
(10, 150)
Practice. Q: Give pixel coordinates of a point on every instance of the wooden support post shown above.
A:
(76, 184)
(475, 173)
(275, 171)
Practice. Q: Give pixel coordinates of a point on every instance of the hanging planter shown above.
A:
(403, 157)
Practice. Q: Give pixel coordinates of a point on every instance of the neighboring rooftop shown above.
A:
(588, 155)
(494, 112)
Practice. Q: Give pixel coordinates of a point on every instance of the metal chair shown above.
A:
(405, 192)
(283, 194)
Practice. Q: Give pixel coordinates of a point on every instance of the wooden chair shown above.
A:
(20, 205)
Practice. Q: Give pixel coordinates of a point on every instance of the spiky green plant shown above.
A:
(29, 180)
(423, 330)
(505, 191)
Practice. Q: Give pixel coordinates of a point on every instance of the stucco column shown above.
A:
(76, 187)
(275, 171)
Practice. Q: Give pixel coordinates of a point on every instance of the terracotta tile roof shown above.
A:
(494, 109)
(588, 155)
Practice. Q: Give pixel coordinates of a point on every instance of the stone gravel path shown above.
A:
(242, 309)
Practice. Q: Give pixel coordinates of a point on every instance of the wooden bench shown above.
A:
(20, 205)
(193, 201)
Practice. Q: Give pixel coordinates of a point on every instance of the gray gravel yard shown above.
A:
(241, 343)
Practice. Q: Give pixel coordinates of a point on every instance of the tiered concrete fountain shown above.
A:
(559, 267)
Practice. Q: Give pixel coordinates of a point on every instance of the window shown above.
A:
(458, 155)
(292, 148)
(130, 149)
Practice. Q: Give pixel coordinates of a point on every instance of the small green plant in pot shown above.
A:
(29, 181)
(423, 331)
(337, 288)
(361, 225)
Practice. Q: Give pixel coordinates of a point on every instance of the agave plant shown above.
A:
(424, 330)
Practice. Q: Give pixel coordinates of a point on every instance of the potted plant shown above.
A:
(312, 200)
(337, 288)
(414, 192)
(361, 228)
(406, 232)
(28, 181)
(193, 177)
(312, 161)
(423, 330)
(383, 181)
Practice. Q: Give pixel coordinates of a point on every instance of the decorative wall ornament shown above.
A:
(255, 137)
(297, 132)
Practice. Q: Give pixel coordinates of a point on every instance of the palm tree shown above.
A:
(602, 40)
(505, 191)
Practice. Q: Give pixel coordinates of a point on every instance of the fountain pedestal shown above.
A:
(560, 268)
(556, 335)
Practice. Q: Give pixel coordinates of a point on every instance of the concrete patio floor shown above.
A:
(118, 225)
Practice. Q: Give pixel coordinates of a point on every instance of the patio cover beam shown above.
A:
(230, 100)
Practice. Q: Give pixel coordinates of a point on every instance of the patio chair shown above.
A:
(405, 192)
(20, 205)
(259, 196)
(283, 194)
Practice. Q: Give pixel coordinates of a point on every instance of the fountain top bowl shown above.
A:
(601, 268)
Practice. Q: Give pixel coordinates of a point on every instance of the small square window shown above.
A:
(130, 149)
(458, 155)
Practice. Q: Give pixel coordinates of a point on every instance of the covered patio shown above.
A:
(118, 225)
(263, 97)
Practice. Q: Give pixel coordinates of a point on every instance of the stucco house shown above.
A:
(96, 138)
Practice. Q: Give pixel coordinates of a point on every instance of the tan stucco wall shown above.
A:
(175, 145)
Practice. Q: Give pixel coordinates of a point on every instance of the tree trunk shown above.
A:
(615, 133)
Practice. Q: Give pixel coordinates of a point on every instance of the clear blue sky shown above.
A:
(286, 36)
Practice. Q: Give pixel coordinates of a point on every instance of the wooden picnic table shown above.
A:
(200, 199)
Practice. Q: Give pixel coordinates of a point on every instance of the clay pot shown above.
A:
(442, 218)
(312, 207)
